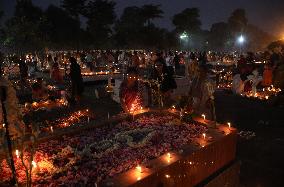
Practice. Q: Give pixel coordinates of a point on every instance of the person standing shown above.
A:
(77, 86)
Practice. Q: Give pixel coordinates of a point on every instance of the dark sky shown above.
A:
(267, 14)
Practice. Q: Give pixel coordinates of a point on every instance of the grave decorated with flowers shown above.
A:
(155, 147)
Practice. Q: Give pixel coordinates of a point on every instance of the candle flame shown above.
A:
(34, 164)
(229, 124)
(17, 153)
(204, 135)
(169, 155)
(203, 115)
(139, 168)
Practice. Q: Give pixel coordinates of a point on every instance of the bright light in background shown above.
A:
(183, 36)
(241, 39)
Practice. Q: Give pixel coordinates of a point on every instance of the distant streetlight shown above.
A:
(183, 36)
(241, 39)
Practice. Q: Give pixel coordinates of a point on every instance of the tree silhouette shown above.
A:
(135, 29)
(188, 20)
(62, 30)
(101, 16)
(238, 21)
(150, 12)
(219, 35)
(22, 32)
(74, 7)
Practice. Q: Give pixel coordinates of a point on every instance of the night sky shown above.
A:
(267, 14)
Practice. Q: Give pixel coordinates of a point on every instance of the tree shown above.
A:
(135, 29)
(101, 16)
(218, 36)
(187, 21)
(237, 21)
(74, 7)
(22, 32)
(61, 30)
(150, 12)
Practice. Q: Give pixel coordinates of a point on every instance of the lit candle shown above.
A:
(169, 155)
(51, 128)
(34, 164)
(266, 97)
(203, 115)
(139, 169)
(229, 124)
(204, 136)
(17, 153)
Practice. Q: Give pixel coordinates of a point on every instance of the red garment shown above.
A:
(248, 86)
(267, 76)
(130, 97)
(56, 75)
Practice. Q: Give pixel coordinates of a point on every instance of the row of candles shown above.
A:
(168, 156)
(264, 94)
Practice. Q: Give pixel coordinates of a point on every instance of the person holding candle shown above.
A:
(130, 96)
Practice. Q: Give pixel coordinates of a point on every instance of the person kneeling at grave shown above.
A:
(130, 95)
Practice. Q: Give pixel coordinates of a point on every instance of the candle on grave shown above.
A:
(229, 125)
(17, 153)
(204, 136)
(139, 169)
(203, 115)
(51, 128)
(34, 164)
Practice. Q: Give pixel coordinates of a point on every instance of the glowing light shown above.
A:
(241, 39)
(169, 155)
(51, 128)
(139, 169)
(204, 136)
(229, 124)
(203, 115)
(167, 176)
(34, 164)
(183, 36)
(17, 153)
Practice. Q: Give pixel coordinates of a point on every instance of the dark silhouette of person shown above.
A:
(77, 86)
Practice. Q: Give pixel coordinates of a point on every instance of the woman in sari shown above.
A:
(130, 96)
